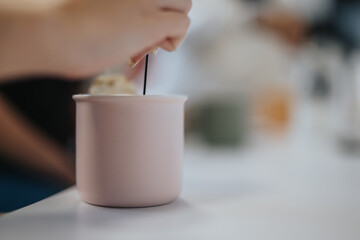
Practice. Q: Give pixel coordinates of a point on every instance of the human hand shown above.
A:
(100, 34)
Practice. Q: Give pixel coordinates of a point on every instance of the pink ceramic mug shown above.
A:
(129, 149)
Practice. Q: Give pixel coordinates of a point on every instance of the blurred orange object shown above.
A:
(272, 108)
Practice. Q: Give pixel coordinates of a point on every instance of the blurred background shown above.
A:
(254, 70)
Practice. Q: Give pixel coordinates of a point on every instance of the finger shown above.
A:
(168, 32)
(172, 25)
(178, 25)
(171, 44)
(182, 6)
(136, 59)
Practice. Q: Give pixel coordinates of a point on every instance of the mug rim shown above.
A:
(89, 97)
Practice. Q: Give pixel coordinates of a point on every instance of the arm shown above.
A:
(25, 45)
(83, 37)
(31, 149)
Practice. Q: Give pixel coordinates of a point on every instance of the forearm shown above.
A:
(29, 148)
(28, 43)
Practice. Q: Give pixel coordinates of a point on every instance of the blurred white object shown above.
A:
(349, 128)
(318, 75)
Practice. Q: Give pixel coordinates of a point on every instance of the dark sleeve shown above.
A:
(45, 102)
(341, 25)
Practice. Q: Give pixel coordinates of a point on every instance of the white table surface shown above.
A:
(293, 189)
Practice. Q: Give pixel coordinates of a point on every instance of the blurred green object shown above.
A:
(223, 122)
